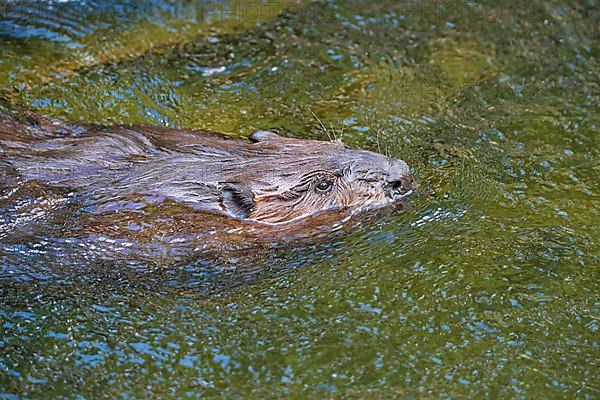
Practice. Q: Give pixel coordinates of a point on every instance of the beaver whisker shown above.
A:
(323, 126)
(335, 139)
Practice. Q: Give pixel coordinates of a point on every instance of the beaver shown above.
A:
(269, 178)
(155, 193)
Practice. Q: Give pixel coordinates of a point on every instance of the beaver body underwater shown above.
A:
(268, 180)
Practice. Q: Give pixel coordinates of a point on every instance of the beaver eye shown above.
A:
(324, 186)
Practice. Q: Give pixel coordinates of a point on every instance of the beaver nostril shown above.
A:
(402, 185)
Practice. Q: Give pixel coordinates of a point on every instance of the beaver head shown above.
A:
(293, 178)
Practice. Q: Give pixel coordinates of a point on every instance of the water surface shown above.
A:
(485, 287)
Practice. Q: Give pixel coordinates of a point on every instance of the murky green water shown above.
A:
(486, 287)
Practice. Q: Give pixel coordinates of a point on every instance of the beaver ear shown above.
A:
(262, 136)
(238, 200)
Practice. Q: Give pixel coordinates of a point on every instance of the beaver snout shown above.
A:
(399, 178)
